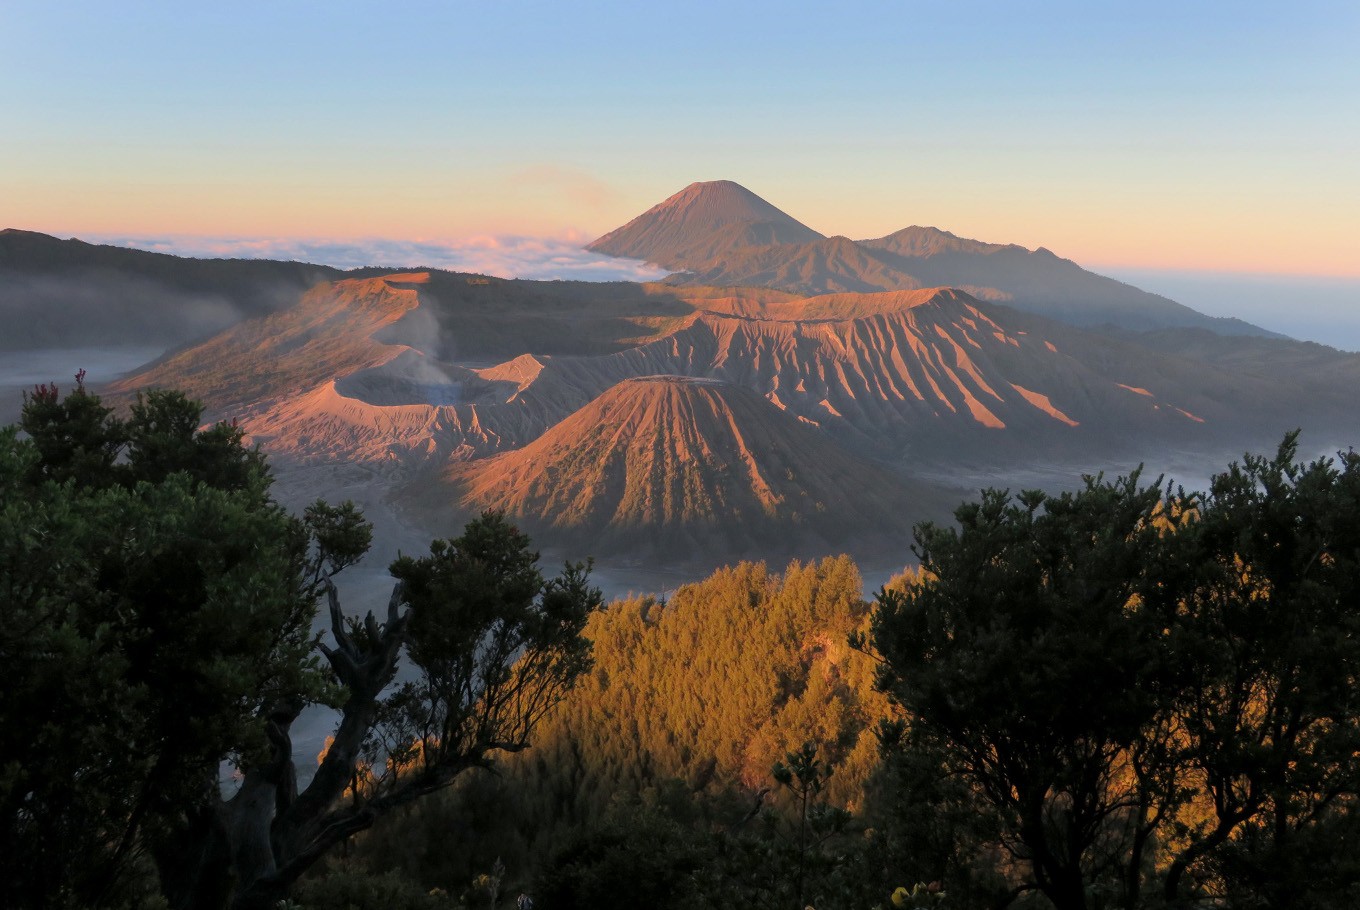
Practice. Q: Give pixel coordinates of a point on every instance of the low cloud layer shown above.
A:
(543, 258)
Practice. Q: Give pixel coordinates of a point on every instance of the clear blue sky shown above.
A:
(1172, 135)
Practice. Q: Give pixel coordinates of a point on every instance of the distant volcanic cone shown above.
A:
(699, 222)
(720, 234)
(690, 466)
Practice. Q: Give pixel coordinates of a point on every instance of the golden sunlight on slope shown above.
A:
(333, 427)
(426, 368)
(328, 334)
(885, 365)
(896, 368)
(696, 463)
(1042, 403)
(409, 409)
(829, 307)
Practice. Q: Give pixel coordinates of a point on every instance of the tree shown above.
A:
(494, 646)
(1146, 688)
(76, 437)
(1027, 656)
(145, 623)
(1269, 630)
(804, 777)
(79, 438)
(158, 619)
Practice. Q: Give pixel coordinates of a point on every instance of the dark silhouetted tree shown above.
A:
(1028, 657)
(158, 610)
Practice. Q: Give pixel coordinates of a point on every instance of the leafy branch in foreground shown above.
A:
(493, 646)
(158, 625)
(1152, 693)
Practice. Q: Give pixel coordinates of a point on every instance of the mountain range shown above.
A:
(687, 422)
(719, 234)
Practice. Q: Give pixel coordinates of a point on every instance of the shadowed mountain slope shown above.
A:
(827, 265)
(682, 465)
(68, 293)
(329, 333)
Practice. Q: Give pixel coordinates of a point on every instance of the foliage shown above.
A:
(811, 855)
(650, 853)
(720, 681)
(1144, 689)
(1270, 708)
(636, 857)
(805, 777)
(1115, 697)
(688, 704)
(367, 891)
(149, 615)
(935, 827)
(78, 438)
(159, 611)
(496, 645)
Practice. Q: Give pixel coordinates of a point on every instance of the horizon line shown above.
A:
(489, 240)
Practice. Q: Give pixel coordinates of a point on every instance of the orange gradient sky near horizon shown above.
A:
(1212, 138)
(1109, 228)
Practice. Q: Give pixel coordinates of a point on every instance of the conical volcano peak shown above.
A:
(720, 234)
(719, 202)
(683, 464)
(717, 213)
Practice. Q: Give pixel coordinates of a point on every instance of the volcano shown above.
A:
(676, 465)
(700, 222)
(721, 234)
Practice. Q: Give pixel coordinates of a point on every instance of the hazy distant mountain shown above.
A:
(68, 293)
(1040, 282)
(708, 232)
(680, 466)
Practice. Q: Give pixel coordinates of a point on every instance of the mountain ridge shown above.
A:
(456, 389)
(68, 293)
(704, 252)
(895, 375)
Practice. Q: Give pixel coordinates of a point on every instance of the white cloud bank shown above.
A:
(504, 256)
